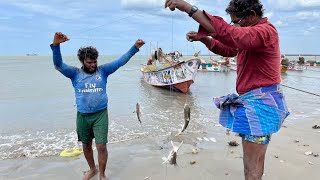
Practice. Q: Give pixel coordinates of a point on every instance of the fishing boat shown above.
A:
(233, 63)
(283, 69)
(284, 64)
(295, 66)
(214, 65)
(33, 54)
(167, 71)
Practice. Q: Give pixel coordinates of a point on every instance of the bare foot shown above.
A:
(89, 174)
(103, 178)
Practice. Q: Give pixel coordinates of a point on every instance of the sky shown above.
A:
(28, 26)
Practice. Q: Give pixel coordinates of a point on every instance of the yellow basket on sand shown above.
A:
(71, 152)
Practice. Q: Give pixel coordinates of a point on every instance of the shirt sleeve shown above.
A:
(66, 70)
(258, 36)
(218, 48)
(110, 68)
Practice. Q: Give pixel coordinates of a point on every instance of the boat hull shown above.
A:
(179, 87)
(295, 68)
(178, 77)
(284, 69)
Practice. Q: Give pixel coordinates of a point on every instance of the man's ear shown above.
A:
(253, 13)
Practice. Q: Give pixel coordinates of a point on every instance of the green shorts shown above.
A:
(93, 125)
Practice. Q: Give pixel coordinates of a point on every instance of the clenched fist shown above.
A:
(59, 38)
(139, 43)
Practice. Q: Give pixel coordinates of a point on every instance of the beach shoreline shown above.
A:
(142, 158)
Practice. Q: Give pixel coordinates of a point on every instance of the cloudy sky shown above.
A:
(28, 26)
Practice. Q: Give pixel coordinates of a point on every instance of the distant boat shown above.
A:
(214, 66)
(283, 69)
(170, 73)
(284, 64)
(295, 66)
(32, 54)
(233, 63)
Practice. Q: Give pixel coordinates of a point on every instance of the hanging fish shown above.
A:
(187, 114)
(172, 157)
(138, 112)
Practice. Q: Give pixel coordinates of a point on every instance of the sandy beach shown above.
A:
(141, 159)
(31, 141)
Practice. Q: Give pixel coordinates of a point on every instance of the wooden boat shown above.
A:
(284, 63)
(294, 66)
(283, 69)
(172, 74)
(233, 63)
(214, 66)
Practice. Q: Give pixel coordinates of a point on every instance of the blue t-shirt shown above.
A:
(90, 89)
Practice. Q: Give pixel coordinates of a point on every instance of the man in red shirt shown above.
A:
(255, 42)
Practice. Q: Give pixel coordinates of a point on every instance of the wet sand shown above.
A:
(141, 159)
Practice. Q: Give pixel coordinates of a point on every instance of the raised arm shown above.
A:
(257, 37)
(66, 70)
(212, 44)
(198, 16)
(235, 37)
(110, 68)
(218, 48)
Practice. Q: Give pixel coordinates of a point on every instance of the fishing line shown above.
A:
(312, 70)
(302, 76)
(166, 174)
(171, 86)
(108, 23)
(300, 90)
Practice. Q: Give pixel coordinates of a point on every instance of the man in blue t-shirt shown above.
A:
(89, 84)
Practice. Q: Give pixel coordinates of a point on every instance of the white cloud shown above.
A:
(268, 15)
(295, 4)
(142, 4)
(58, 8)
(281, 24)
(146, 4)
(307, 15)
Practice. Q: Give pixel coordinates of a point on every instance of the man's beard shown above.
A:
(87, 70)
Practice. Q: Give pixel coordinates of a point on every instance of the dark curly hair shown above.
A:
(243, 8)
(87, 52)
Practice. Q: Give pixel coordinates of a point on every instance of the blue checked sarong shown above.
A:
(259, 112)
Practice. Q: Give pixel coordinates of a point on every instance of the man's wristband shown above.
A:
(193, 10)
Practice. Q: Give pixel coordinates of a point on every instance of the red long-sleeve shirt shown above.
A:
(256, 47)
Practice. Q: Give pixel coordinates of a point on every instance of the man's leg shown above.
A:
(100, 129)
(88, 154)
(102, 158)
(253, 159)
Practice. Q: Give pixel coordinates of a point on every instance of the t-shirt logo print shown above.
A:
(98, 77)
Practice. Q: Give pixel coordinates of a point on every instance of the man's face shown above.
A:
(90, 65)
(237, 21)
